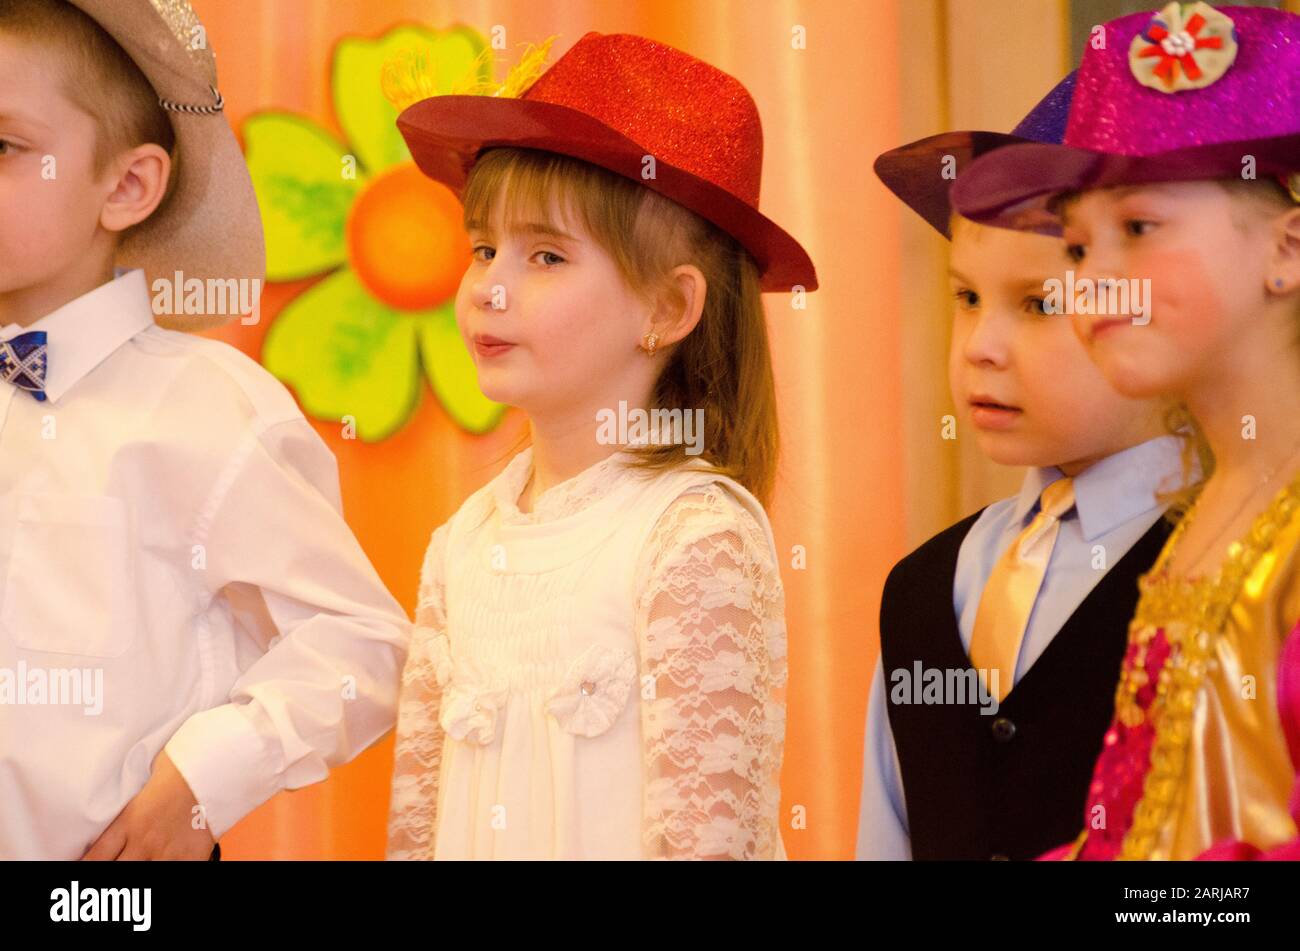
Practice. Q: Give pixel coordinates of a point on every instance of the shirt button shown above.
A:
(1003, 730)
(587, 688)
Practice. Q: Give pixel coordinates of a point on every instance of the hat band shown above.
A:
(184, 107)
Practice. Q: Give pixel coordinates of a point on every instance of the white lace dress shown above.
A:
(600, 678)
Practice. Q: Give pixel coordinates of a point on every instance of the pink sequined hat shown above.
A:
(1192, 92)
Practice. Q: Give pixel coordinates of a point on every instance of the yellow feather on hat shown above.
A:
(409, 77)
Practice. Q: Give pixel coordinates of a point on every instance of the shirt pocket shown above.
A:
(70, 587)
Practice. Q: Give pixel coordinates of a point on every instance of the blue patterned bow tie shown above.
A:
(23, 362)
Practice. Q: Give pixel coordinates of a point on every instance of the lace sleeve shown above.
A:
(711, 629)
(417, 752)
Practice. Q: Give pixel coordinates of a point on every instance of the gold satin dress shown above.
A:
(1196, 755)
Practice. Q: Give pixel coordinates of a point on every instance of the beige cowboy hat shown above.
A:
(210, 228)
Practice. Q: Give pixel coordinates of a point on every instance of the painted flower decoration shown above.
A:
(594, 690)
(389, 240)
(471, 703)
(1183, 49)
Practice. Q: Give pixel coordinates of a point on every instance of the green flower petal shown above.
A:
(346, 354)
(298, 172)
(368, 119)
(451, 372)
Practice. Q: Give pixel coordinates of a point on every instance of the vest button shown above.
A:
(1003, 730)
(999, 857)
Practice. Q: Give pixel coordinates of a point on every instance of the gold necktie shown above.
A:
(1012, 588)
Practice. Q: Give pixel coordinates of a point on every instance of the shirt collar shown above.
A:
(84, 332)
(1113, 490)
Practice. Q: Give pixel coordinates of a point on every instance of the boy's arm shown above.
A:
(882, 818)
(327, 687)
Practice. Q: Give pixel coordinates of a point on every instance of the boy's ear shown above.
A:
(680, 312)
(139, 182)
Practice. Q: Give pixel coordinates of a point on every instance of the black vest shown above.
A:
(1013, 784)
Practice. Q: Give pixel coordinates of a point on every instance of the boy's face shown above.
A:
(1207, 273)
(552, 326)
(49, 196)
(1019, 375)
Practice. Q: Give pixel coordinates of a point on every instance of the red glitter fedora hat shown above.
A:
(615, 100)
(1192, 92)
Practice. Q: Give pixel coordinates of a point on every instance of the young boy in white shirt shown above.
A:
(187, 624)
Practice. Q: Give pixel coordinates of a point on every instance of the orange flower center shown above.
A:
(406, 241)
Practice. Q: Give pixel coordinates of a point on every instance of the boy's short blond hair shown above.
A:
(99, 77)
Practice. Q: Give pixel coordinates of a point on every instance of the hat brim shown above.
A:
(210, 227)
(446, 133)
(1015, 187)
(923, 172)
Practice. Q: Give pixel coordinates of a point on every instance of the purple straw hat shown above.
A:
(921, 173)
(1188, 93)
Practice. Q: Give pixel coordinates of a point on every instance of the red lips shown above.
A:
(485, 345)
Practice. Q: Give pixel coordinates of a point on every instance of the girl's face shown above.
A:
(1206, 268)
(1026, 385)
(549, 320)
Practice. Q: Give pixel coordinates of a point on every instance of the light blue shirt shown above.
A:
(1115, 505)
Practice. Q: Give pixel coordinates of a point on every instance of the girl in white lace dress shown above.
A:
(599, 659)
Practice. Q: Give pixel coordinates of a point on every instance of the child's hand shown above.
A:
(157, 823)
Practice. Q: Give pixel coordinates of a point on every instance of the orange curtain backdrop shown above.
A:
(842, 497)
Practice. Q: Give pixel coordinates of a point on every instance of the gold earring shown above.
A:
(651, 341)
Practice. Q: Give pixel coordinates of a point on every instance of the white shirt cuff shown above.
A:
(227, 763)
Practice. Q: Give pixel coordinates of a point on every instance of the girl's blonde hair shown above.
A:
(724, 365)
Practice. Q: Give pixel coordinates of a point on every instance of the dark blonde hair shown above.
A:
(723, 366)
(98, 76)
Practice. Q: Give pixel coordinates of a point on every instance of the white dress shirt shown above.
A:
(175, 572)
(1115, 505)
